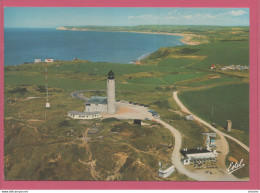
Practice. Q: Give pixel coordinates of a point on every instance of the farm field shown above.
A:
(221, 103)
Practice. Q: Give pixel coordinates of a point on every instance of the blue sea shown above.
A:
(24, 45)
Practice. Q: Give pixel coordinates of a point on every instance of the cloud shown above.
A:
(198, 16)
(210, 16)
(237, 13)
(131, 17)
(144, 17)
(170, 17)
(187, 16)
(173, 12)
(176, 17)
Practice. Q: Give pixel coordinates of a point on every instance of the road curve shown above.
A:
(183, 108)
(78, 94)
(176, 155)
(176, 160)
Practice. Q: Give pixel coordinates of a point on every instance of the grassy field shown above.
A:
(218, 104)
(41, 138)
(204, 55)
(236, 154)
(119, 151)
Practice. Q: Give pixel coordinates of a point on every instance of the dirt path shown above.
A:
(121, 159)
(92, 167)
(221, 134)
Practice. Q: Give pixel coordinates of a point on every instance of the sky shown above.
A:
(53, 17)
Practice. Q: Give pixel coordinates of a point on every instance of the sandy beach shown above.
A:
(186, 38)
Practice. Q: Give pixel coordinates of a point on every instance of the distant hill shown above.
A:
(155, 28)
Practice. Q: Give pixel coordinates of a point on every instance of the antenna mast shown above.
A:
(48, 105)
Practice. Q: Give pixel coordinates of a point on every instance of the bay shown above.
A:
(26, 44)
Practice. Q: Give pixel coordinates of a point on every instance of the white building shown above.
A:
(199, 155)
(166, 171)
(96, 103)
(84, 115)
(189, 117)
(37, 60)
(104, 104)
(48, 60)
(210, 139)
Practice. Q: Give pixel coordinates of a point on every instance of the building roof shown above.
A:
(210, 134)
(83, 113)
(201, 156)
(97, 100)
(166, 168)
(194, 151)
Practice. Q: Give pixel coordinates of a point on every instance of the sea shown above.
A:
(22, 45)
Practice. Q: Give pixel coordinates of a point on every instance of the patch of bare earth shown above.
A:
(214, 77)
(232, 159)
(124, 110)
(120, 158)
(34, 120)
(92, 167)
(177, 112)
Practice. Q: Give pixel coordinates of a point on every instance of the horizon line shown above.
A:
(126, 26)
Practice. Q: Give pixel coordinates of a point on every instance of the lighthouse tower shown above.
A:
(111, 96)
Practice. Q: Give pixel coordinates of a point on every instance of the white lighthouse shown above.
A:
(111, 95)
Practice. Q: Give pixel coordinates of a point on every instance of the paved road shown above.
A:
(183, 108)
(200, 175)
(176, 155)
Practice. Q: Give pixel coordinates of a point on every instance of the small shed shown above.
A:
(212, 67)
(138, 121)
(189, 118)
(49, 60)
(166, 171)
(229, 125)
(37, 60)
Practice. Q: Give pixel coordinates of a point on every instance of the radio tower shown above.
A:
(48, 105)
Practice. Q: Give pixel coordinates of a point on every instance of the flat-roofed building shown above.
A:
(84, 115)
(96, 103)
(189, 117)
(37, 60)
(49, 60)
(198, 155)
(210, 139)
(166, 171)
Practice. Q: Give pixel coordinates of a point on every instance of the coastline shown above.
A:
(186, 38)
